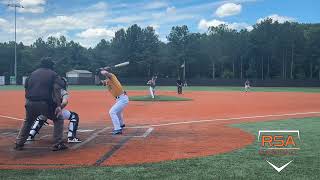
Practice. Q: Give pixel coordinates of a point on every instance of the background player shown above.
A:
(179, 86)
(122, 100)
(66, 114)
(247, 85)
(152, 84)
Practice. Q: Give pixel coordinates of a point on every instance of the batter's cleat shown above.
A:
(18, 147)
(59, 147)
(117, 132)
(30, 138)
(74, 140)
(123, 125)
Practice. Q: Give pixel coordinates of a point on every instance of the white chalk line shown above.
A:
(204, 120)
(225, 119)
(90, 138)
(147, 132)
(96, 134)
(150, 129)
(19, 119)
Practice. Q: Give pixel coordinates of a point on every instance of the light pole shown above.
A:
(15, 5)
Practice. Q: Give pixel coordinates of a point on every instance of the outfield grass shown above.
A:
(190, 88)
(158, 98)
(241, 164)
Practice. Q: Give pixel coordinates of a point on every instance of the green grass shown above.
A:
(158, 98)
(191, 88)
(240, 164)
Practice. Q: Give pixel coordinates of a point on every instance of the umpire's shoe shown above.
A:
(59, 147)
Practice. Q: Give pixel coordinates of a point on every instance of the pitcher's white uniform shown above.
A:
(152, 84)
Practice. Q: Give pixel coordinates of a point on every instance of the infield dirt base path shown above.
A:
(157, 131)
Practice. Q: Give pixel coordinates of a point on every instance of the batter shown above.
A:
(122, 100)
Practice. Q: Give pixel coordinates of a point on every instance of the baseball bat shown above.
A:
(113, 66)
(122, 64)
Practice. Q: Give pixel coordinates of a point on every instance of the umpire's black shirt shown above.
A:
(39, 85)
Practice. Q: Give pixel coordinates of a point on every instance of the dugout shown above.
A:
(80, 77)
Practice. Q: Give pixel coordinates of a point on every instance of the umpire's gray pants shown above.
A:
(33, 110)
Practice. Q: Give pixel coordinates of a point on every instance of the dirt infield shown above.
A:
(157, 131)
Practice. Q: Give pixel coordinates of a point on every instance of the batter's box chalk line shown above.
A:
(99, 132)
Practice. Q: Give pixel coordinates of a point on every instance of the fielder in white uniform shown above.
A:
(247, 85)
(66, 114)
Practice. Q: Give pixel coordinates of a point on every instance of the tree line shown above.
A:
(271, 50)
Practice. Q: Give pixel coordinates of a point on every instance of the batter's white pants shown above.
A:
(151, 91)
(116, 111)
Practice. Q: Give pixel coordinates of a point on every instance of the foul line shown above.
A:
(225, 119)
(9, 117)
(18, 119)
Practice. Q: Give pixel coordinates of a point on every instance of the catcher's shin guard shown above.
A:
(37, 125)
(73, 125)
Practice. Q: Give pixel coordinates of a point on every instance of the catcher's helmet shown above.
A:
(65, 83)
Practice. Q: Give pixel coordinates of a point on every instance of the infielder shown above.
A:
(66, 114)
(122, 100)
(247, 85)
(152, 84)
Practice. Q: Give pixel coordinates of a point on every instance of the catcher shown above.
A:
(152, 84)
(115, 88)
(66, 114)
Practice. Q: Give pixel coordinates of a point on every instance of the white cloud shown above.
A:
(276, 17)
(58, 34)
(29, 29)
(32, 2)
(4, 24)
(171, 10)
(128, 19)
(155, 26)
(155, 5)
(58, 22)
(228, 9)
(204, 25)
(97, 33)
(32, 6)
(100, 5)
(92, 36)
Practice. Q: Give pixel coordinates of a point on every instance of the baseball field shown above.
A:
(206, 133)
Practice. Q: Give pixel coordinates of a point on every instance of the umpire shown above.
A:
(179, 86)
(42, 93)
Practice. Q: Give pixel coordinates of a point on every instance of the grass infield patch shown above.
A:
(158, 98)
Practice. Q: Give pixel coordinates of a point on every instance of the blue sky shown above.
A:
(89, 21)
